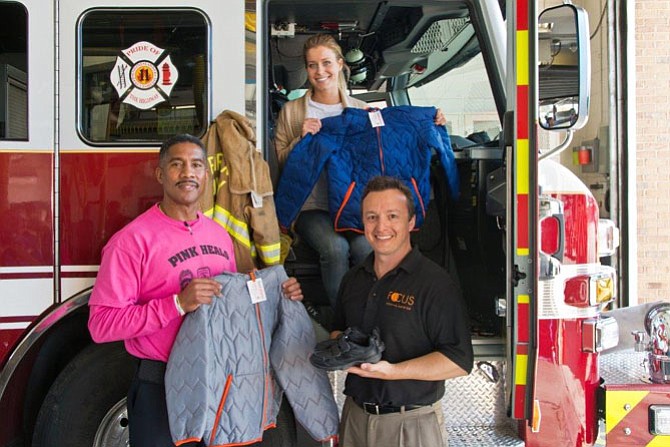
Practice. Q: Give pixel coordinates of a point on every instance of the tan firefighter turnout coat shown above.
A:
(240, 196)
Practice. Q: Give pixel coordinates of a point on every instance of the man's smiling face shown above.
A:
(387, 223)
(183, 174)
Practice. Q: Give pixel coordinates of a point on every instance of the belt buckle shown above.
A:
(367, 405)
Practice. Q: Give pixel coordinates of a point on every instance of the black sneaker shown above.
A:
(351, 348)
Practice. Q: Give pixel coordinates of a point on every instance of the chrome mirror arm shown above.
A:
(566, 142)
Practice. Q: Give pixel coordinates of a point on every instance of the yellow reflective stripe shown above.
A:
(250, 21)
(521, 369)
(235, 227)
(522, 166)
(209, 213)
(658, 441)
(269, 253)
(239, 231)
(522, 57)
(618, 404)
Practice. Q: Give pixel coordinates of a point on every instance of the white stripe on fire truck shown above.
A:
(40, 269)
(14, 325)
(80, 268)
(49, 269)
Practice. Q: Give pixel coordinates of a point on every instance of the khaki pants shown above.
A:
(416, 428)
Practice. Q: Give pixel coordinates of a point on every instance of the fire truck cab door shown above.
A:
(130, 75)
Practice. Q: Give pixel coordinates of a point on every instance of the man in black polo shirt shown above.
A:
(422, 320)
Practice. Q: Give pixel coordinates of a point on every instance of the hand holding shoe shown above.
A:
(380, 370)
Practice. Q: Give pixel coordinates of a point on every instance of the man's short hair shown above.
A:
(384, 183)
(179, 138)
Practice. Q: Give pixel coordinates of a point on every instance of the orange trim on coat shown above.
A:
(347, 196)
(229, 380)
(381, 151)
(184, 441)
(416, 190)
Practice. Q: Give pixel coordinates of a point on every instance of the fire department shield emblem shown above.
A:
(144, 75)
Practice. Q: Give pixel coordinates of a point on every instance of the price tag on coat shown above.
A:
(256, 290)
(256, 200)
(376, 118)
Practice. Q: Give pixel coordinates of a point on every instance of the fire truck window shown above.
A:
(143, 75)
(465, 96)
(13, 72)
(454, 78)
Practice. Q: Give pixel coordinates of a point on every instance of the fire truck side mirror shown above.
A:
(564, 69)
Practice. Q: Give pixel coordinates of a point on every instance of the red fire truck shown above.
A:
(89, 89)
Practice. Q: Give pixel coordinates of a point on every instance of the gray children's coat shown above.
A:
(232, 360)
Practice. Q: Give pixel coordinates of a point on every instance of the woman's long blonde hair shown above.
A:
(328, 41)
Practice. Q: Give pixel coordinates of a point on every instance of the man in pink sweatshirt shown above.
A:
(154, 271)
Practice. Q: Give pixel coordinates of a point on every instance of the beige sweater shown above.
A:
(291, 117)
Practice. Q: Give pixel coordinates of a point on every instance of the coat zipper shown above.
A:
(266, 361)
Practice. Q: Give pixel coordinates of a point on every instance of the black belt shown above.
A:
(151, 371)
(377, 409)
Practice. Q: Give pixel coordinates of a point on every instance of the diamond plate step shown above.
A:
(483, 436)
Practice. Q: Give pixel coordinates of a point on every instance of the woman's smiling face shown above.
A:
(323, 68)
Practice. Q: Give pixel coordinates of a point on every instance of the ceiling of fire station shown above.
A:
(385, 31)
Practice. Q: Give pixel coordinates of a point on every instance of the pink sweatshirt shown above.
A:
(143, 266)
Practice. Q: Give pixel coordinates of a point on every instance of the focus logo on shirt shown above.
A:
(400, 300)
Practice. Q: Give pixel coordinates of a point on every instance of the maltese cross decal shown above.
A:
(144, 75)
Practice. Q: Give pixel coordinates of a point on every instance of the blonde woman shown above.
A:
(326, 97)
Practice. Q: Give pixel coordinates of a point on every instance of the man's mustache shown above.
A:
(193, 182)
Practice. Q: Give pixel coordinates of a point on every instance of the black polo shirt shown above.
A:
(418, 310)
